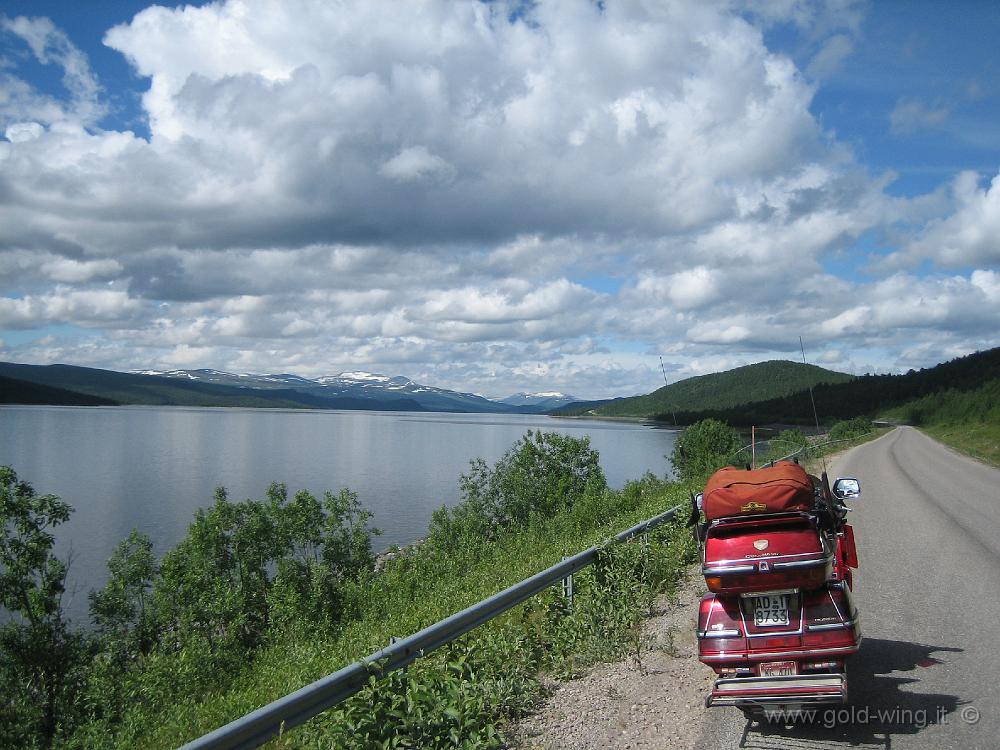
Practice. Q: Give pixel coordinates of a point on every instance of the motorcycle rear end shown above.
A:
(779, 620)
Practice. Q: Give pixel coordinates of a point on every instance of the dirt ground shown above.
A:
(653, 702)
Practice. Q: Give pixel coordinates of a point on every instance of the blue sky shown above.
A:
(499, 197)
(939, 58)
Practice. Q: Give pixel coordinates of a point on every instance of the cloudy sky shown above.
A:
(499, 197)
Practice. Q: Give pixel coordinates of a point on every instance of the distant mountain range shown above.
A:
(544, 401)
(764, 393)
(67, 384)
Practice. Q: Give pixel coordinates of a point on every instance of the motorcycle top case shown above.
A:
(775, 552)
(780, 488)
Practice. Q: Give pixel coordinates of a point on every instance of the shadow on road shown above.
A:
(878, 709)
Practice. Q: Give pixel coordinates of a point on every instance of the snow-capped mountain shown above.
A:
(245, 380)
(373, 390)
(543, 401)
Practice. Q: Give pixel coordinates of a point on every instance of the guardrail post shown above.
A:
(567, 588)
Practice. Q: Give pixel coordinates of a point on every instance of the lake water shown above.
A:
(152, 467)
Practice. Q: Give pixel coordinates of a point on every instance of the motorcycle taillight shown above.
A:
(809, 578)
(830, 638)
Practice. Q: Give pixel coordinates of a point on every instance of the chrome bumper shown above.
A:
(788, 689)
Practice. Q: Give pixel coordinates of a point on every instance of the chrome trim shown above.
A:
(729, 569)
(827, 688)
(774, 592)
(833, 626)
(785, 680)
(703, 634)
(771, 556)
(802, 699)
(754, 517)
(820, 562)
(764, 655)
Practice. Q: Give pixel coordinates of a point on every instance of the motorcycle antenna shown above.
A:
(665, 383)
(812, 398)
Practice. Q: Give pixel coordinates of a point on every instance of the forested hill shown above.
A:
(744, 385)
(867, 395)
(14, 391)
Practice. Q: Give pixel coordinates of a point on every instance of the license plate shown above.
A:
(770, 610)
(778, 669)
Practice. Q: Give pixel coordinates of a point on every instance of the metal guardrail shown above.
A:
(800, 452)
(277, 717)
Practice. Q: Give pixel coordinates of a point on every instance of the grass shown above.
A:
(979, 440)
(467, 693)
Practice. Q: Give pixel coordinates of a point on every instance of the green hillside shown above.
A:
(759, 382)
(14, 391)
(867, 395)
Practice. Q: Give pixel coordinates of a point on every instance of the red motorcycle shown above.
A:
(778, 558)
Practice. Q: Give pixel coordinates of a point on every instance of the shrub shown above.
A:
(541, 474)
(39, 652)
(851, 428)
(704, 447)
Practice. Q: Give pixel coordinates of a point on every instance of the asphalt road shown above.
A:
(928, 589)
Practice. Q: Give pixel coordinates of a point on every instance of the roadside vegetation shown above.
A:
(263, 596)
(968, 421)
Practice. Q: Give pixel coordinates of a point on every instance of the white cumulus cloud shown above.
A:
(546, 199)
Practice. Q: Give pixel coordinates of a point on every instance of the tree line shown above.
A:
(866, 395)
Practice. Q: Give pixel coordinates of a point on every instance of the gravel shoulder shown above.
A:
(653, 702)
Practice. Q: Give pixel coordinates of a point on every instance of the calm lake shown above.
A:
(152, 467)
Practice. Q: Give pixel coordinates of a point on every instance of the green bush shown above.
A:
(704, 447)
(541, 474)
(851, 428)
(793, 438)
(42, 659)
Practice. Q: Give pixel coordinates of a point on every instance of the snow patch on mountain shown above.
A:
(374, 387)
(549, 399)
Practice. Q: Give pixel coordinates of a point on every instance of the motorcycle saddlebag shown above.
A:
(774, 489)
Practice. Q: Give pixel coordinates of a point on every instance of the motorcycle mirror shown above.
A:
(846, 488)
(698, 499)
